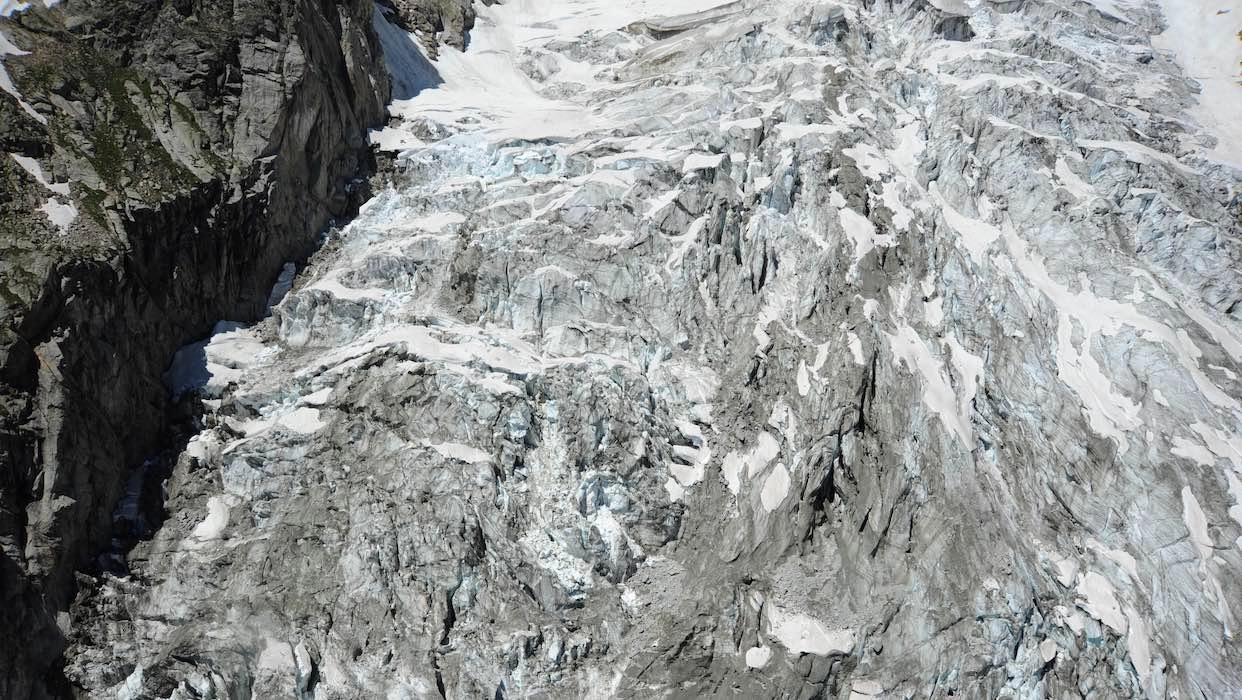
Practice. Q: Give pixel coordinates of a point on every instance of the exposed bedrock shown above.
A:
(163, 160)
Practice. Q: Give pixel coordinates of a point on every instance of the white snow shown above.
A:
(1066, 568)
(1196, 523)
(974, 235)
(1226, 446)
(436, 221)
(1110, 414)
(303, 420)
(821, 355)
(1074, 184)
(1137, 153)
(426, 343)
(758, 657)
(731, 470)
(1205, 43)
(1195, 452)
(1224, 336)
(485, 89)
(1235, 510)
(910, 146)
(1112, 8)
(1138, 643)
(212, 364)
(60, 215)
(701, 161)
(662, 202)
(766, 449)
(803, 634)
(795, 132)
(131, 687)
(933, 311)
(856, 349)
(394, 139)
(969, 369)
(213, 525)
(1099, 599)
(938, 393)
(871, 163)
(8, 48)
(775, 488)
(33, 167)
(902, 214)
(862, 689)
(1120, 557)
(698, 457)
(862, 234)
(675, 491)
(785, 420)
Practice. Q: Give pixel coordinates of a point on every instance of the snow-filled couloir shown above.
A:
(872, 348)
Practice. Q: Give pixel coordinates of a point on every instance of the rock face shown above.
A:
(161, 162)
(435, 21)
(773, 349)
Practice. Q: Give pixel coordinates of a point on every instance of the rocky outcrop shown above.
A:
(781, 349)
(161, 162)
(436, 22)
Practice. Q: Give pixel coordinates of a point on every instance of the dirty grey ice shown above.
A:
(776, 349)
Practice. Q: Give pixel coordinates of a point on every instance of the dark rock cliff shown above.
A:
(203, 144)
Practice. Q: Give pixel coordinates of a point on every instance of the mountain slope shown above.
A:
(773, 349)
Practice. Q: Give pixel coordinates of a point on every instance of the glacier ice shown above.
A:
(765, 349)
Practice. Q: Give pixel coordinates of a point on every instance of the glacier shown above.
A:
(869, 348)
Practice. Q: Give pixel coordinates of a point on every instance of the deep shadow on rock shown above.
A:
(205, 146)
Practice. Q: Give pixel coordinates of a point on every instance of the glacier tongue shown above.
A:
(762, 349)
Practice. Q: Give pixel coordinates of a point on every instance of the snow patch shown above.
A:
(60, 215)
(803, 634)
(32, 166)
(856, 350)
(758, 657)
(212, 526)
(1099, 599)
(303, 420)
(754, 461)
(8, 48)
(775, 488)
(973, 235)
(938, 393)
(1209, 52)
(701, 161)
